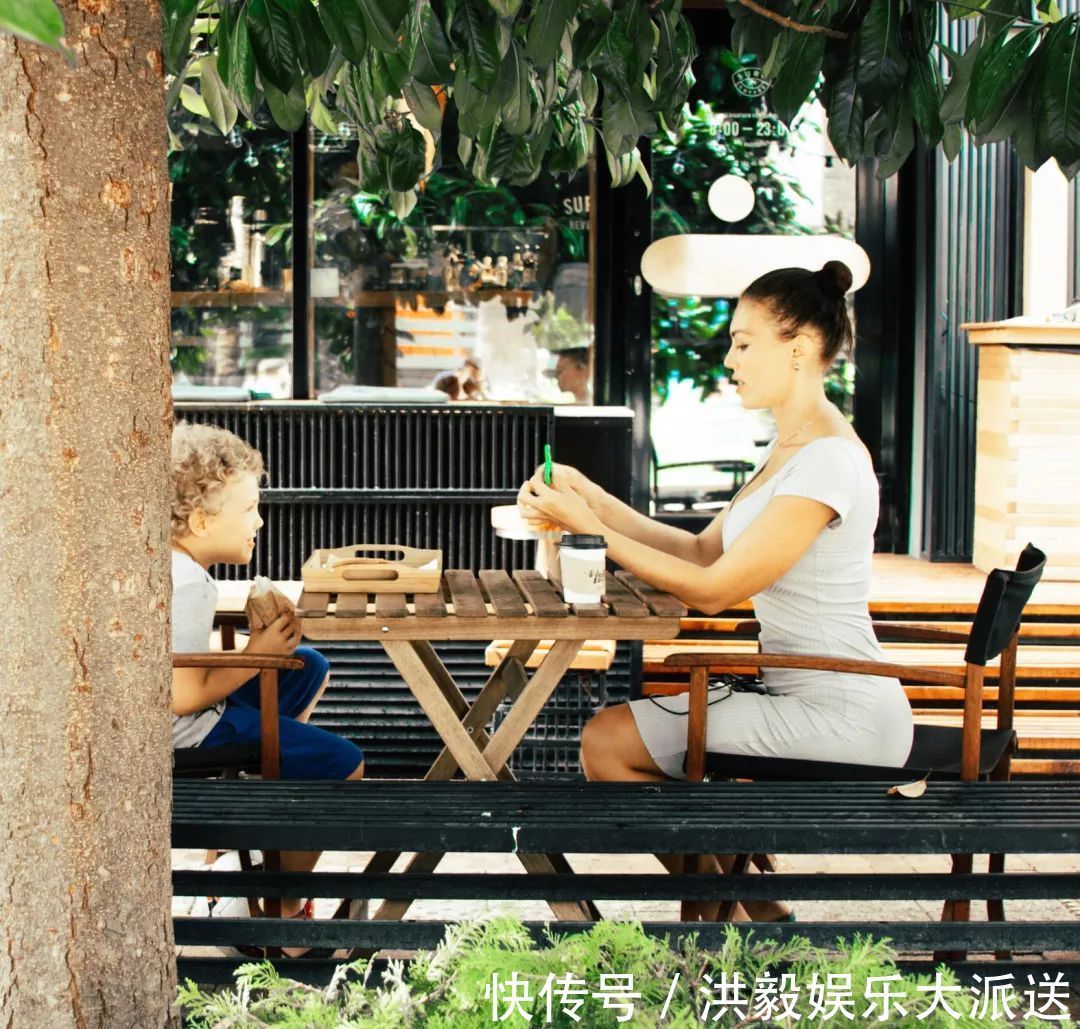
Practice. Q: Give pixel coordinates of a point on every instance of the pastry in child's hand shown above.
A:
(266, 603)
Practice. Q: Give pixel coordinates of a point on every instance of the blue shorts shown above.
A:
(307, 752)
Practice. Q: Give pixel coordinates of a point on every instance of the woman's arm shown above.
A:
(700, 549)
(772, 545)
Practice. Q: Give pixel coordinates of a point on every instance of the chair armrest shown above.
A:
(903, 633)
(816, 663)
(240, 660)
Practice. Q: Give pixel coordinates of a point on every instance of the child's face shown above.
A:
(230, 533)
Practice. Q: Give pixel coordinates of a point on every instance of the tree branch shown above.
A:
(795, 26)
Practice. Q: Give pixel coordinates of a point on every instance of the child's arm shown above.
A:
(195, 689)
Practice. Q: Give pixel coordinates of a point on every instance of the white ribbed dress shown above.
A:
(820, 606)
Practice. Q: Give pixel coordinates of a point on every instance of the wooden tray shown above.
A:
(351, 572)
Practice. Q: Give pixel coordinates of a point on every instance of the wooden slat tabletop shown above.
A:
(490, 606)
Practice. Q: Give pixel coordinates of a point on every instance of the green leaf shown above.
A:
(315, 45)
(40, 22)
(546, 27)
(431, 52)
(675, 51)
(273, 43)
(193, 102)
(845, 112)
(1000, 70)
(383, 19)
(903, 142)
(476, 110)
(954, 103)
(179, 17)
(288, 109)
(240, 74)
(1058, 126)
(401, 157)
(513, 91)
(505, 8)
(951, 141)
(882, 65)
(625, 119)
(218, 102)
(798, 75)
(424, 106)
(476, 33)
(223, 37)
(345, 26)
(924, 94)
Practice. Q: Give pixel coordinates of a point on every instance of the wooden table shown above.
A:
(524, 608)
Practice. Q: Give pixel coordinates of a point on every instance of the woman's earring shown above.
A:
(795, 364)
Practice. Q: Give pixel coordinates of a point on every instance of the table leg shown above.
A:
(535, 694)
(438, 709)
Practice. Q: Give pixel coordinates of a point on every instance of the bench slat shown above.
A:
(546, 603)
(503, 594)
(465, 593)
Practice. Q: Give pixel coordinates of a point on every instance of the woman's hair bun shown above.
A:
(834, 278)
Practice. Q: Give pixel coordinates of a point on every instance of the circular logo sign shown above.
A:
(750, 82)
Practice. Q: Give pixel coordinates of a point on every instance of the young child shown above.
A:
(215, 516)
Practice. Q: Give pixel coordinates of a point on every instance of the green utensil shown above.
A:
(547, 464)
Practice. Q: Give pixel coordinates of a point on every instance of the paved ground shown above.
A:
(668, 910)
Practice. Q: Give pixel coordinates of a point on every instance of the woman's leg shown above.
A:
(612, 750)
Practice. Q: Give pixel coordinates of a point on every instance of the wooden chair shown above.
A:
(968, 753)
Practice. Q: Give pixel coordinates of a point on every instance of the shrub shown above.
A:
(586, 974)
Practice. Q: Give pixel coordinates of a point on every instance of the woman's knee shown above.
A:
(314, 662)
(609, 741)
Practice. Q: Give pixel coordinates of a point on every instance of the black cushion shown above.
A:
(935, 750)
(211, 761)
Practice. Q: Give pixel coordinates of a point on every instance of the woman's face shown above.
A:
(760, 358)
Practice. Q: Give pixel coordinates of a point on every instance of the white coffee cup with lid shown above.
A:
(582, 564)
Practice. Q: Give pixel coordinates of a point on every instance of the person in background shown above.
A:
(573, 373)
(449, 383)
(471, 375)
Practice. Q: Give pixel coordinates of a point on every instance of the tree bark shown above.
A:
(85, 415)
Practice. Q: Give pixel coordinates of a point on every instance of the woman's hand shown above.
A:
(563, 505)
(281, 636)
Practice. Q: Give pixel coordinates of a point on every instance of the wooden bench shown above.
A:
(1047, 717)
(625, 818)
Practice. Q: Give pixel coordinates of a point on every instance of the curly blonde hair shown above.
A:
(205, 459)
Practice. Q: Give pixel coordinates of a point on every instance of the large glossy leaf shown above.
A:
(546, 27)
(422, 103)
(902, 143)
(882, 65)
(431, 51)
(476, 33)
(1058, 128)
(798, 75)
(675, 51)
(315, 45)
(273, 43)
(288, 108)
(845, 111)
(345, 26)
(383, 19)
(223, 38)
(513, 91)
(625, 118)
(954, 102)
(179, 17)
(401, 157)
(476, 110)
(924, 94)
(219, 104)
(240, 75)
(1001, 68)
(37, 20)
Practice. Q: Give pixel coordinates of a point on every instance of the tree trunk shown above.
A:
(85, 413)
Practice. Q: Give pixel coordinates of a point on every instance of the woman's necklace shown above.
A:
(805, 425)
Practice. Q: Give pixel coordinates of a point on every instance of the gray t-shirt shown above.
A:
(194, 600)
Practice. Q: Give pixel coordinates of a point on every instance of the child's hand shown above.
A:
(281, 636)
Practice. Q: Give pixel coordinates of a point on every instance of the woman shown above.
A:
(798, 538)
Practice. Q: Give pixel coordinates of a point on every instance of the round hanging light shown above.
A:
(731, 198)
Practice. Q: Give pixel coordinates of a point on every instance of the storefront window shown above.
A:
(704, 442)
(231, 277)
(481, 292)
